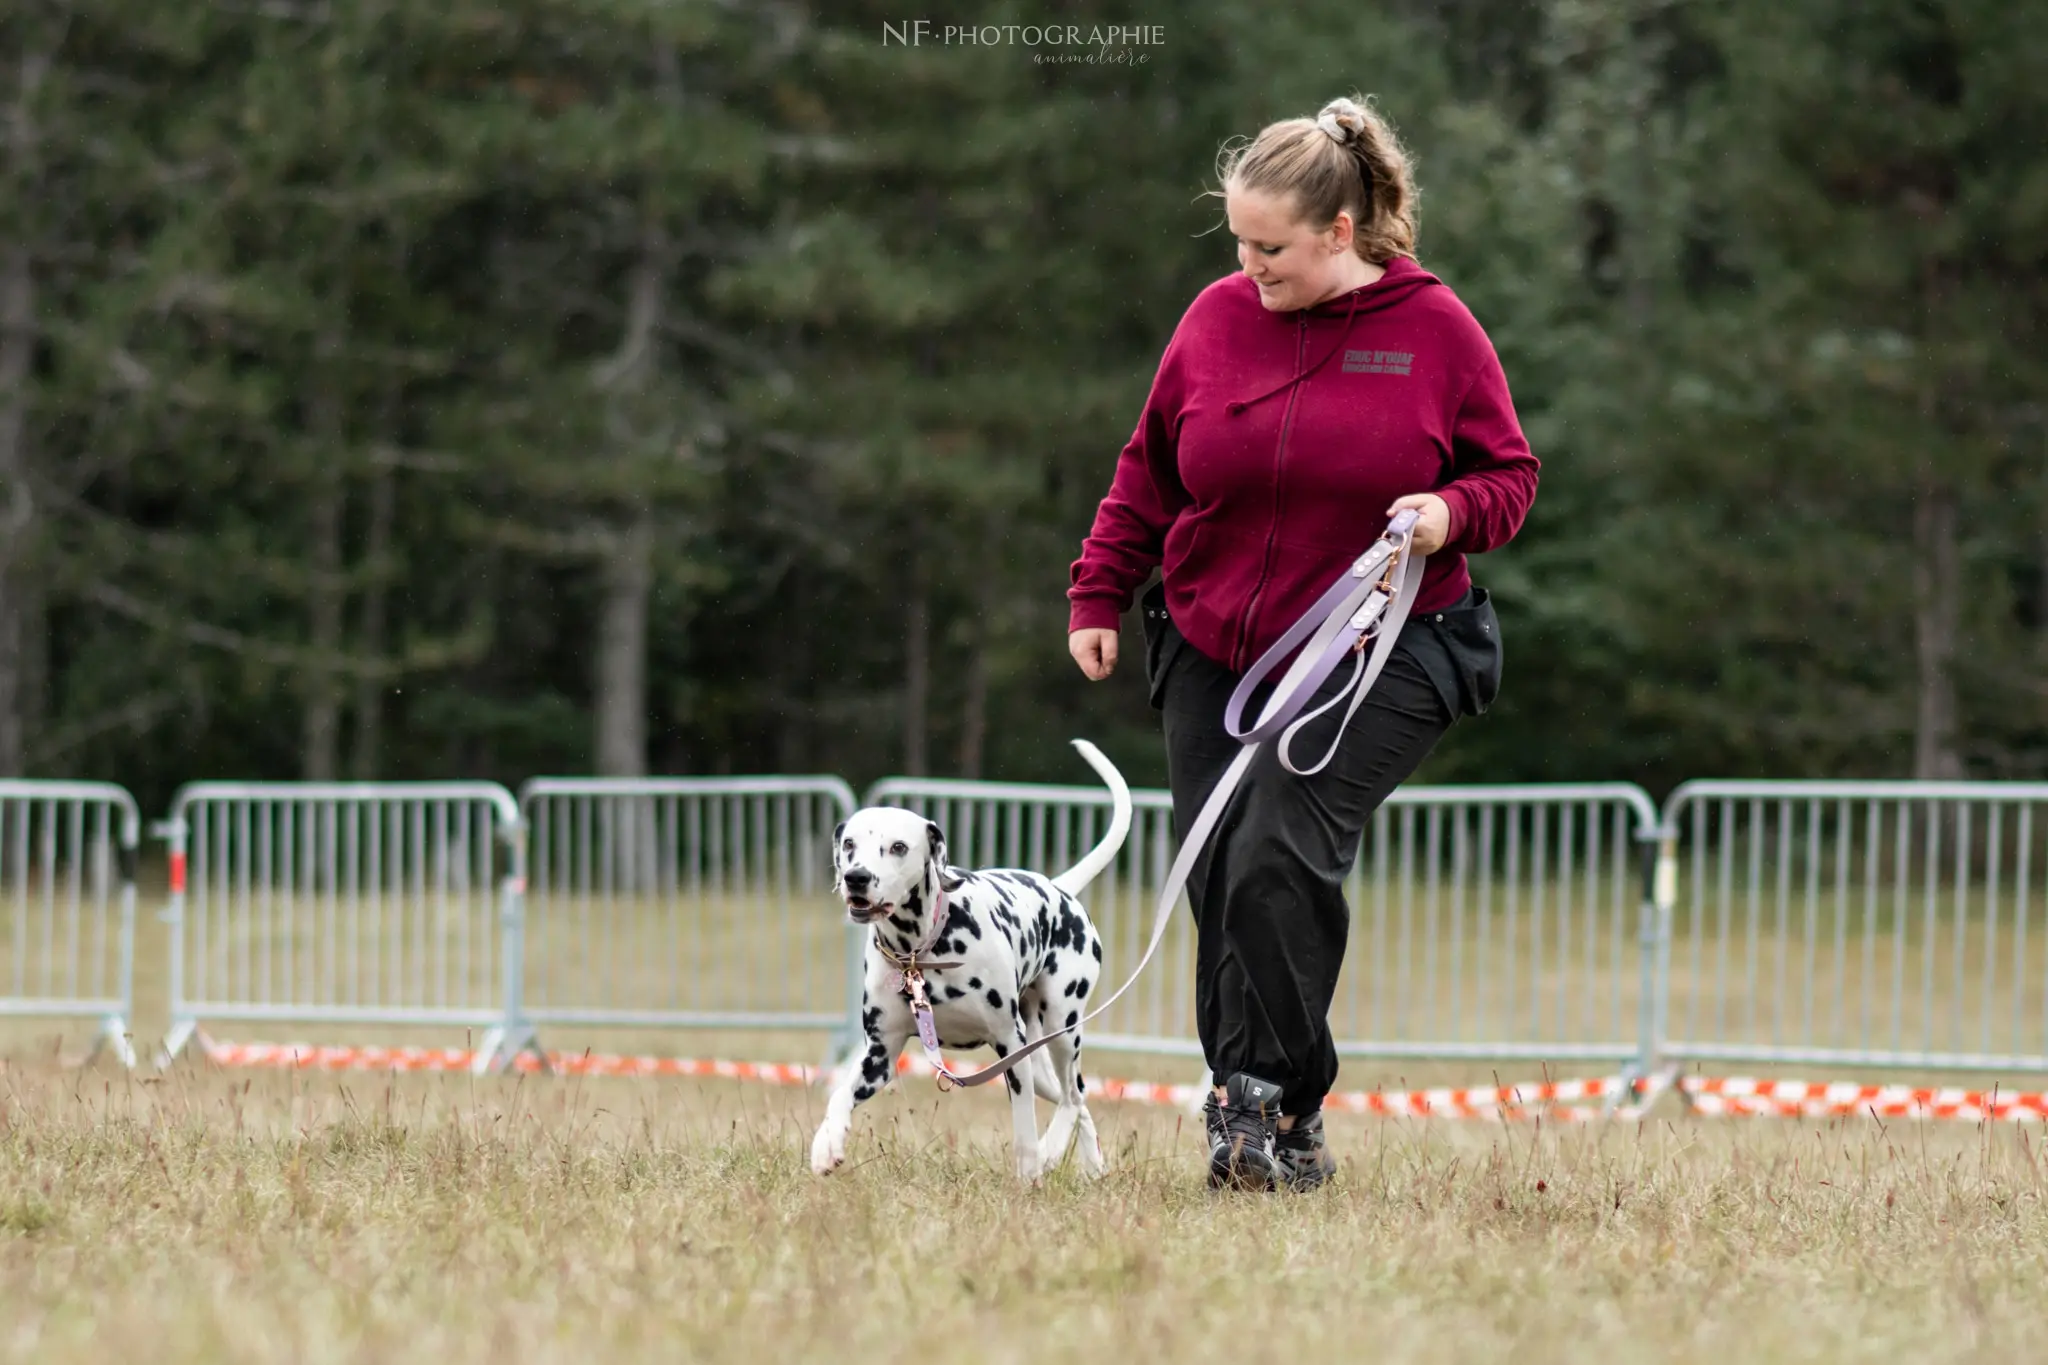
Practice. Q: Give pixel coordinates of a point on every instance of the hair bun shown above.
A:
(1343, 120)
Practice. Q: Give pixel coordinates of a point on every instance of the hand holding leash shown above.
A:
(1432, 523)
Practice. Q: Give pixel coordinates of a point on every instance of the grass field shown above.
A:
(313, 1218)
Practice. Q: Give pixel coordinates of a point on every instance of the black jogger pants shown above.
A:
(1271, 921)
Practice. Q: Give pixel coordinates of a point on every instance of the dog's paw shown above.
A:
(1048, 1155)
(828, 1150)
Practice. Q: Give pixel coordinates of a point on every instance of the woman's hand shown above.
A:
(1433, 522)
(1095, 651)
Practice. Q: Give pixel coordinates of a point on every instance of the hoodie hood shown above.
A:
(1403, 278)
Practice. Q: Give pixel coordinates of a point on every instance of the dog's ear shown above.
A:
(838, 834)
(937, 838)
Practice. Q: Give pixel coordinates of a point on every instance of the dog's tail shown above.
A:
(1077, 877)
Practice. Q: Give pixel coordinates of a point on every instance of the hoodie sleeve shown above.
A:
(1145, 497)
(1493, 477)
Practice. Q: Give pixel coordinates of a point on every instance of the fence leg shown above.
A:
(1653, 942)
(501, 1048)
(503, 1045)
(182, 1031)
(176, 834)
(112, 1036)
(113, 1031)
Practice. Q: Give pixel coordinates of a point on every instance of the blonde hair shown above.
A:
(1346, 157)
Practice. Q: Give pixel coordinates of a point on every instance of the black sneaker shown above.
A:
(1241, 1133)
(1302, 1155)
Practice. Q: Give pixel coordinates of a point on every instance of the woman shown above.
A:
(1299, 405)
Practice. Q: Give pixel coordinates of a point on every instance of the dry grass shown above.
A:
(275, 1217)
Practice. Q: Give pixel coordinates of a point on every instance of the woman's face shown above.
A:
(1293, 265)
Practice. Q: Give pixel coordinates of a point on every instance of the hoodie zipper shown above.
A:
(1238, 662)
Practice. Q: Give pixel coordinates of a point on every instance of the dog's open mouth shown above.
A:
(862, 910)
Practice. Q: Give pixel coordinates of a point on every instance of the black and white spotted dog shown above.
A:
(1028, 957)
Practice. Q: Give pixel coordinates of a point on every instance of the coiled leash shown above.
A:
(1368, 604)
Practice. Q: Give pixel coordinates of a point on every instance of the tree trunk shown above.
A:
(17, 499)
(622, 650)
(17, 503)
(1937, 598)
(320, 738)
(369, 702)
(917, 669)
(627, 573)
(791, 672)
(974, 708)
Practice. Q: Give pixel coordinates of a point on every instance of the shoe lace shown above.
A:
(1246, 1125)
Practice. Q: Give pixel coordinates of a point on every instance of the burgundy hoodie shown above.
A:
(1272, 444)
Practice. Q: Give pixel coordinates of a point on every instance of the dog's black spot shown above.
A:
(1097, 946)
(1082, 984)
(974, 983)
(1073, 1018)
(995, 998)
(905, 926)
(870, 1019)
(954, 992)
(874, 1066)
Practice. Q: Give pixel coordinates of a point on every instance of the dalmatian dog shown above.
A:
(1016, 958)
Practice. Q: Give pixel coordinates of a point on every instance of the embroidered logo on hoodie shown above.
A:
(1378, 362)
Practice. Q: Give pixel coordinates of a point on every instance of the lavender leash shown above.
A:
(1371, 601)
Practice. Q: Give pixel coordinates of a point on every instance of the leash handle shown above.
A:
(1389, 618)
(1373, 596)
(1357, 602)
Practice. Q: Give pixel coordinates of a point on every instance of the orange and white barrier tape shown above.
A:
(1746, 1097)
(309, 1057)
(1569, 1101)
(1552, 1100)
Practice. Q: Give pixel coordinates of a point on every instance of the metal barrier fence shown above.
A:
(67, 905)
(1873, 924)
(1488, 922)
(390, 903)
(688, 903)
(1898, 925)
